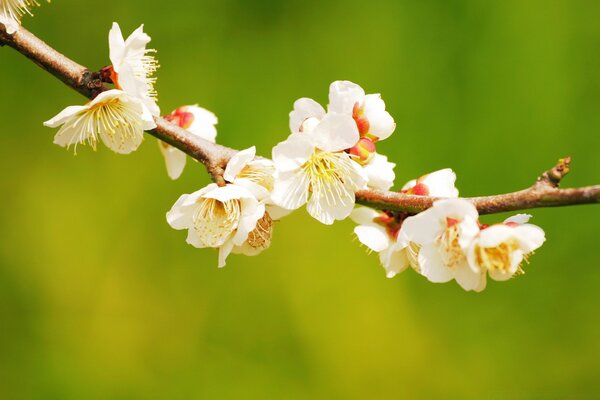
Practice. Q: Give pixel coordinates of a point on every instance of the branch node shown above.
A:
(553, 176)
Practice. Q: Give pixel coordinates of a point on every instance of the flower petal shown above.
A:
(469, 279)
(174, 159)
(375, 238)
(291, 190)
(292, 153)
(238, 162)
(335, 132)
(343, 95)
(380, 173)
(304, 109)
(432, 265)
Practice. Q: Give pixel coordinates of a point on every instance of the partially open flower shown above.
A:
(313, 163)
(444, 233)
(197, 121)
(229, 218)
(134, 65)
(115, 117)
(11, 12)
(367, 110)
(500, 249)
(437, 184)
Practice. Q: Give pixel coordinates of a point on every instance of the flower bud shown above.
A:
(362, 122)
(181, 117)
(363, 151)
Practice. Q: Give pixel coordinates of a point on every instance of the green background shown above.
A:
(101, 299)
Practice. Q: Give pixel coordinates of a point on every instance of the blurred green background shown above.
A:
(101, 299)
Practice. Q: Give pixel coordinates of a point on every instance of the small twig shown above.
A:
(544, 193)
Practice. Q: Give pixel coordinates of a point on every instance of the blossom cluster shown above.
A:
(330, 153)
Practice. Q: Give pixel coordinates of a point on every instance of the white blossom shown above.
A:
(229, 218)
(134, 65)
(11, 12)
(380, 172)
(368, 110)
(500, 249)
(115, 117)
(381, 231)
(196, 120)
(437, 184)
(444, 233)
(313, 164)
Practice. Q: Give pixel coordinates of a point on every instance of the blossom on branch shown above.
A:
(197, 121)
(11, 12)
(114, 116)
(133, 65)
(444, 233)
(500, 248)
(381, 231)
(313, 164)
(229, 218)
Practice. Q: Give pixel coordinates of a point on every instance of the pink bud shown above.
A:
(181, 117)
(363, 150)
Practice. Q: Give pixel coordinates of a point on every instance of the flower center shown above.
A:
(15, 9)
(451, 252)
(496, 258)
(214, 220)
(259, 174)
(327, 174)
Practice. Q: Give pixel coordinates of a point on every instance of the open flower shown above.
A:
(229, 218)
(133, 65)
(500, 249)
(445, 232)
(313, 164)
(196, 120)
(437, 184)
(380, 172)
(11, 12)
(381, 231)
(368, 110)
(258, 176)
(115, 117)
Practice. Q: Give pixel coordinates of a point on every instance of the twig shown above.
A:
(544, 193)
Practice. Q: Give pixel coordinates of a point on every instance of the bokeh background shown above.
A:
(101, 299)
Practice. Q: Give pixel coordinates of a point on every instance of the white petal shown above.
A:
(380, 173)
(224, 252)
(252, 212)
(364, 216)
(394, 261)
(326, 211)
(228, 192)
(531, 237)
(116, 45)
(456, 208)
(518, 219)
(238, 162)
(291, 190)
(495, 235)
(422, 228)
(304, 109)
(432, 265)
(64, 115)
(203, 124)
(343, 95)
(375, 238)
(381, 124)
(180, 215)
(469, 279)
(292, 153)
(335, 132)
(174, 160)
(468, 230)
(441, 183)
(277, 212)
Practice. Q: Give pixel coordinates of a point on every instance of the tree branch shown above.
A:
(544, 193)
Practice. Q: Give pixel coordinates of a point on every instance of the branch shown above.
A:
(544, 193)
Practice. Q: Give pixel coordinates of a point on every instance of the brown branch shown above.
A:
(544, 193)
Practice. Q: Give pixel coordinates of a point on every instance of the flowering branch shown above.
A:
(544, 193)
